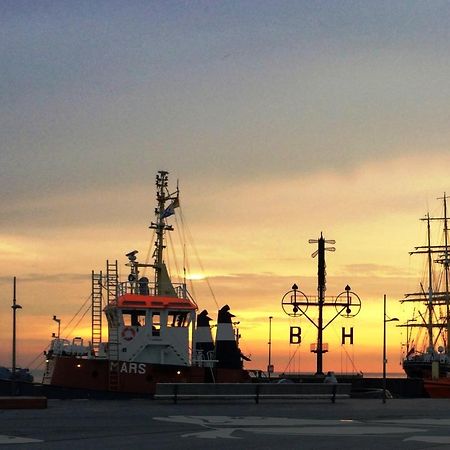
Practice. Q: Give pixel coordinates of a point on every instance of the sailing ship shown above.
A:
(154, 332)
(427, 347)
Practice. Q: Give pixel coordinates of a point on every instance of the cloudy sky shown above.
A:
(280, 119)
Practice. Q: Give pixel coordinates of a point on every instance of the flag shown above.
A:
(170, 210)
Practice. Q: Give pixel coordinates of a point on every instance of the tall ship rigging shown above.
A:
(427, 341)
(154, 331)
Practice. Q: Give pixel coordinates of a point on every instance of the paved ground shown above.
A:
(147, 424)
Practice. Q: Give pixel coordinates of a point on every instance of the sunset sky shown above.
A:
(280, 119)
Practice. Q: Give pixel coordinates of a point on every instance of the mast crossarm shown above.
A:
(431, 246)
(409, 300)
(426, 251)
(436, 218)
(421, 297)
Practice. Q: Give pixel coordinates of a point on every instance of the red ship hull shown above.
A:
(439, 388)
(134, 378)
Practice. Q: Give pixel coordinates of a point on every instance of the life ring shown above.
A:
(128, 333)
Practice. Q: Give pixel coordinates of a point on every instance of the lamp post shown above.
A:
(58, 321)
(269, 364)
(385, 320)
(14, 307)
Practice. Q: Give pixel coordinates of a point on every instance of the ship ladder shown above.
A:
(113, 368)
(112, 280)
(180, 356)
(96, 309)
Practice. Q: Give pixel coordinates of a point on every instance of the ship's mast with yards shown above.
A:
(435, 297)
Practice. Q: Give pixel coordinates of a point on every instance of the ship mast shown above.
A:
(435, 296)
(430, 285)
(428, 320)
(160, 226)
(445, 261)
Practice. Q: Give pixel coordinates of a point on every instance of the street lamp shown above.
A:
(14, 307)
(58, 321)
(385, 320)
(269, 365)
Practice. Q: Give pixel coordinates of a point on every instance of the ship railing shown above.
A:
(200, 360)
(63, 347)
(127, 287)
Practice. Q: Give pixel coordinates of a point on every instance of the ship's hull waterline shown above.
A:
(134, 377)
(423, 369)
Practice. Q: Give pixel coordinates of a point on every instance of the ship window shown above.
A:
(156, 324)
(133, 318)
(176, 319)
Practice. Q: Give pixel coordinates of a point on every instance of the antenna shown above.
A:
(322, 241)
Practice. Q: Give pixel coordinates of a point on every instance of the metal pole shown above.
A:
(321, 290)
(58, 321)
(14, 333)
(269, 365)
(14, 307)
(384, 348)
(319, 366)
(386, 319)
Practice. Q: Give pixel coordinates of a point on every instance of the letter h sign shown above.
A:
(347, 335)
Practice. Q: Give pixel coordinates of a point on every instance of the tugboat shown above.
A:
(428, 354)
(154, 333)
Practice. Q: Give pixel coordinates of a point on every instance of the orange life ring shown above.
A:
(128, 333)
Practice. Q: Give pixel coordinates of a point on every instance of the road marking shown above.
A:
(16, 440)
(251, 421)
(430, 439)
(419, 421)
(225, 426)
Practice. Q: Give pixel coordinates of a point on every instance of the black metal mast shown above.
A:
(347, 303)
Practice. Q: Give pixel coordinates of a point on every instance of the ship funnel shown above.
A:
(204, 345)
(228, 354)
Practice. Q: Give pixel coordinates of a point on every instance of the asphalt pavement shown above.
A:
(148, 424)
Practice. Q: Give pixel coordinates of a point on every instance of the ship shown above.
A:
(427, 351)
(155, 332)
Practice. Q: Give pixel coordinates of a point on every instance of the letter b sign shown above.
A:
(295, 335)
